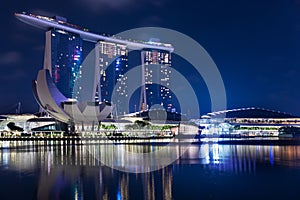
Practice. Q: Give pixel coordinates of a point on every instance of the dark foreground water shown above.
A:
(56, 170)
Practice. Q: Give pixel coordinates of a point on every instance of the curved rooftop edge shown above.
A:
(45, 23)
(252, 112)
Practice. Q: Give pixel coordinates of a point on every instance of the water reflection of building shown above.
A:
(15, 159)
(61, 164)
(226, 158)
(64, 166)
(240, 158)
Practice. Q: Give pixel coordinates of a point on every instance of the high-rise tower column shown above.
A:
(63, 59)
(143, 99)
(156, 72)
(47, 54)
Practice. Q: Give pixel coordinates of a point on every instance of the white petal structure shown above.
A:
(63, 109)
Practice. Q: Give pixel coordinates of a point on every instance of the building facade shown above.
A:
(157, 72)
(245, 122)
(63, 59)
(112, 59)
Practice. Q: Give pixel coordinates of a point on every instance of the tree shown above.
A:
(141, 124)
(13, 127)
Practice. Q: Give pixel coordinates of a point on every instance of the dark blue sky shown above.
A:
(254, 43)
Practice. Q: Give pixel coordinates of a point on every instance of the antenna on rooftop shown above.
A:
(18, 109)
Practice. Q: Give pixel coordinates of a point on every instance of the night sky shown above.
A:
(254, 43)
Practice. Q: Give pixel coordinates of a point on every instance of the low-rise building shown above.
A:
(245, 122)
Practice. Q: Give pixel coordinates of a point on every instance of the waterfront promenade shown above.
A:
(154, 139)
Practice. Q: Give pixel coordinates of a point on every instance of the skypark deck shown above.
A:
(46, 23)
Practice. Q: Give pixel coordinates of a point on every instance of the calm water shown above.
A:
(55, 170)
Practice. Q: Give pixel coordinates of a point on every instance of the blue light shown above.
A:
(271, 156)
(118, 61)
(119, 195)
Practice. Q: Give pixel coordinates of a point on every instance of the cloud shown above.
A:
(10, 58)
(151, 21)
(17, 74)
(39, 48)
(102, 6)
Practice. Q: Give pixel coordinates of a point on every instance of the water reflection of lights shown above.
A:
(241, 158)
(25, 155)
(135, 158)
(5, 157)
(78, 188)
(62, 163)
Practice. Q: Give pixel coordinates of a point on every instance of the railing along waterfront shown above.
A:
(94, 135)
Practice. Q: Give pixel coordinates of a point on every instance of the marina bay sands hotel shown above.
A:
(64, 56)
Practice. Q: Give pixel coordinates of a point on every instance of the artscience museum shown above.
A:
(63, 109)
